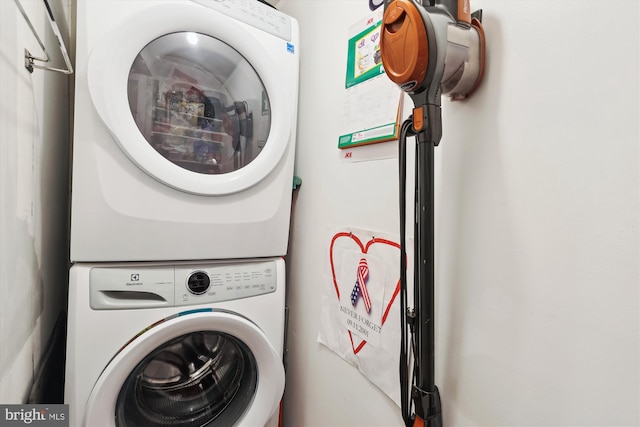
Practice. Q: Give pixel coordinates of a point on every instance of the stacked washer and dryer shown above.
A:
(185, 122)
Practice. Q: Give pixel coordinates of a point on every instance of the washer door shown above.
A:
(195, 369)
(193, 98)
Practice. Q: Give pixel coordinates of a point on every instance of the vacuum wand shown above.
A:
(427, 50)
(424, 393)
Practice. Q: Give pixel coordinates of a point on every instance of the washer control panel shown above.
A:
(113, 288)
(224, 282)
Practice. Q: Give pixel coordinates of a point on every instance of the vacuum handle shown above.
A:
(428, 408)
(433, 422)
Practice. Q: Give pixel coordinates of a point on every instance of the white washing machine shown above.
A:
(184, 133)
(159, 344)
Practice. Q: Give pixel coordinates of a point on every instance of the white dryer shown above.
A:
(160, 344)
(184, 133)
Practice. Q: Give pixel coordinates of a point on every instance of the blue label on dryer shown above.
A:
(290, 48)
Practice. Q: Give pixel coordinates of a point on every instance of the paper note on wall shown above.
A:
(360, 304)
(371, 108)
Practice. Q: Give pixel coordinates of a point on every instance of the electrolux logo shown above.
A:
(37, 415)
(135, 280)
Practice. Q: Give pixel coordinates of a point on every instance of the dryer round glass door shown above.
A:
(199, 103)
(193, 97)
(196, 368)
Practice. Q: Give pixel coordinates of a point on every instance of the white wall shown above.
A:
(34, 147)
(537, 223)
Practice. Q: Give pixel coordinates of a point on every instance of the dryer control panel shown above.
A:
(253, 13)
(129, 287)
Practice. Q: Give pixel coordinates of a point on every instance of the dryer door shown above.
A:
(197, 368)
(193, 97)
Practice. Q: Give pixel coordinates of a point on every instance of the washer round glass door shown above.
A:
(193, 98)
(200, 368)
(190, 381)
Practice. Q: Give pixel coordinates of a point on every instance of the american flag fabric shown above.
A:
(360, 288)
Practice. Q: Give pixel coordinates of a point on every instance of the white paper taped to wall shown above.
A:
(360, 304)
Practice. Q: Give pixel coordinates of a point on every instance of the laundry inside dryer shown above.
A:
(199, 103)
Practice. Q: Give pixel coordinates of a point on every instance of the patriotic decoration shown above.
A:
(360, 288)
(366, 340)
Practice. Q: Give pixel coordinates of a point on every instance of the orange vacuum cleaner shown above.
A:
(429, 49)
